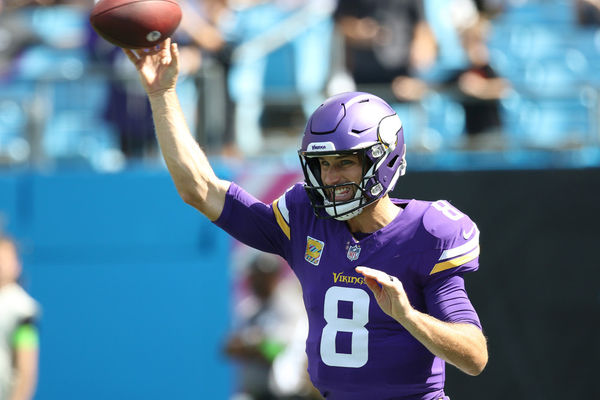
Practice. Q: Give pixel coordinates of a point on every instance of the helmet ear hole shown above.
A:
(392, 161)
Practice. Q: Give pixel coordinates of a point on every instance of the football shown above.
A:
(135, 24)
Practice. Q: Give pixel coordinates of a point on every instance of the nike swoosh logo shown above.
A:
(467, 235)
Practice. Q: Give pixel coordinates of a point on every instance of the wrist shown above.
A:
(407, 317)
(160, 93)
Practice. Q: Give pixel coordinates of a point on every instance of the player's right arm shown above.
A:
(192, 174)
(26, 355)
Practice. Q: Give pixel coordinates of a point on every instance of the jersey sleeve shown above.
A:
(22, 317)
(456, 239)
(255, 223)
(447, 300)
(456, 251)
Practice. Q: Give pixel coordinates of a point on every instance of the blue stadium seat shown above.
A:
(412, 122)
(60, 24)
(446, 120)
(16, 99)
(13, 120)
(548, 123)
(45, 62)
(75, 130)
(73, 137)
(558, 13)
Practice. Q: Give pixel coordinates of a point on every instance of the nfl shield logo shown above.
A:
(353, 252)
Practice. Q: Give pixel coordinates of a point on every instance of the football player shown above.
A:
(18, 333)
(382, 278)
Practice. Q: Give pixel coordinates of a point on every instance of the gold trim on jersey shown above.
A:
(455, 262)
(281, 220)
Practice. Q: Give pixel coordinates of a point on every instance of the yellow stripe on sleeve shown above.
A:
(280, 220)
(455, 262)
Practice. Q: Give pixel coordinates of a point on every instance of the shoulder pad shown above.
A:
(281, 207)
(456, 236)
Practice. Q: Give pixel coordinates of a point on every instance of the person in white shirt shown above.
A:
(19, 342)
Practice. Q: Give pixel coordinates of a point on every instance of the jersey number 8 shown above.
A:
(448, 210)
(359, 353)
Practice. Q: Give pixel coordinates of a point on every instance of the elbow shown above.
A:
(207, 205)
(189, 197)
(191, 193)
(477, 356)
(477, 364)
(193, 199)
(477, 368)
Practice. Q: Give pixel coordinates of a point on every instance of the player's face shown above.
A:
(336, 170)
(10, 268)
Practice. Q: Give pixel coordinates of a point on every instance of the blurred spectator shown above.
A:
(479, 89)
(205, 51)
(15, 36)
(446, 18)
(42, 54)
(281, 48)
(202, 22)
(126, 107)
(22, 26)
(18, 333)
(268, 337)
(491, 8)
(387, 42)
(588, 12)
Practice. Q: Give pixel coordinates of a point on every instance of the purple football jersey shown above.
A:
(355, 350)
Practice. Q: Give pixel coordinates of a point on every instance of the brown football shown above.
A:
(135, 24)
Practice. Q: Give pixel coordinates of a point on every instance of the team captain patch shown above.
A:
(314, 250)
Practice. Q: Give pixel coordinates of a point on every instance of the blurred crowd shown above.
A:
(252, 70)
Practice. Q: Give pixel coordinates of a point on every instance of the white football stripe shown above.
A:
(462, 249)
(283, 208)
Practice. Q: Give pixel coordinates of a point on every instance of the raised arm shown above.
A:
(192, 174)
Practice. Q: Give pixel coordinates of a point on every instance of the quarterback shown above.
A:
(382, 278)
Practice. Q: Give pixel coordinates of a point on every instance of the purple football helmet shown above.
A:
(353, 123)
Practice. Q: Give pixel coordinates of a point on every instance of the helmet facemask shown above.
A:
(322, 196)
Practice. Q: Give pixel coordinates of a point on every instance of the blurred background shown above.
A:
(500, 106)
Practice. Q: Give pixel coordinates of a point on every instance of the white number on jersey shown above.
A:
(448, 210)
(359, 353)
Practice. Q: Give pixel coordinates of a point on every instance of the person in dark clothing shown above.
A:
(479, 89)
(387, 42)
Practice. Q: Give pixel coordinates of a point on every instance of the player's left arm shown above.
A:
(26, 355)
(451, 329)
(461, 344)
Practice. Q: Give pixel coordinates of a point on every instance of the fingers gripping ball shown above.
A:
(135, 24)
